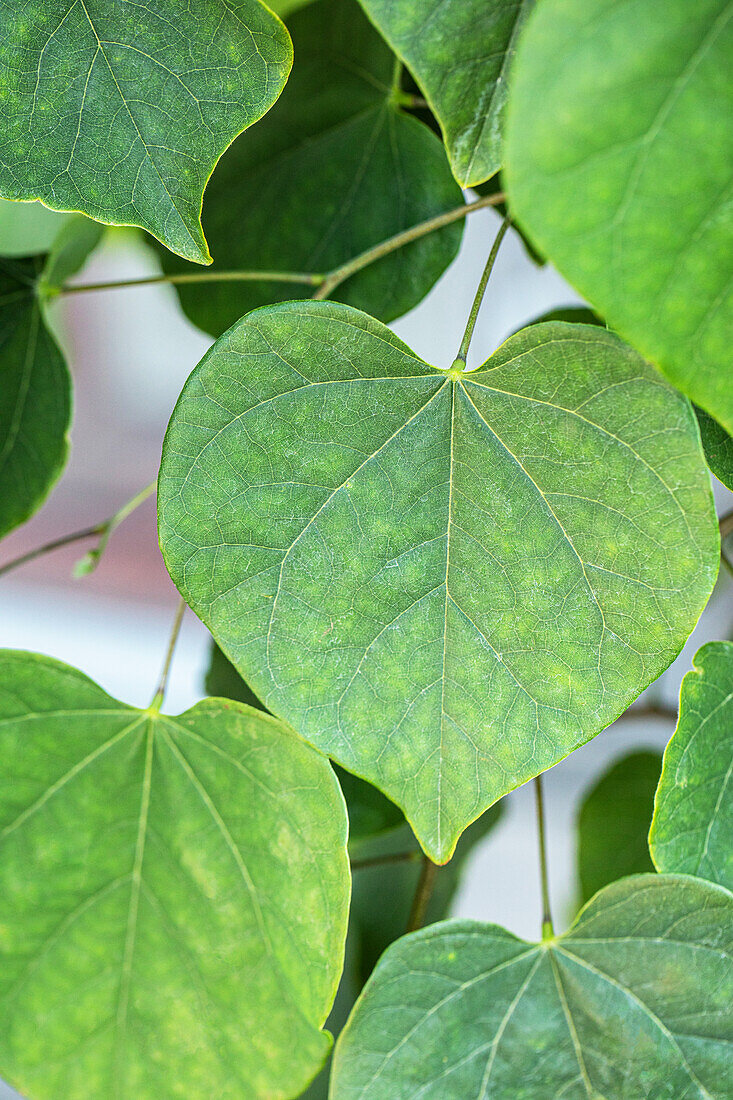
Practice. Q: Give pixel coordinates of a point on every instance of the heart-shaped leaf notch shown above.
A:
(446, 581)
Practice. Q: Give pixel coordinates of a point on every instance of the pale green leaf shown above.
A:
(619, 164)
(334, 169)
(71, 248)
(633, 1003)
(121, 110)
(613, 822)
(459, 52)
(693, 815)
(28, 228)
(175, 894)
(446, 582)
(35, 397)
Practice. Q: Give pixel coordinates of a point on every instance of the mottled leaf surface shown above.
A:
(334, 169)
(633, 1003)
(459, 51)
(370, 813)
(35, 397)
(613, 823)
(175, 893)
(693, 816)
(619, 164)
(121, 110)
(446, 582)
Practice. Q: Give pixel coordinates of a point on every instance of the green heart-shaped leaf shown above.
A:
(336, 168)
(459, 52)
(121, 110)
(175, 894)
(445, 581)
(619, 161)
(633, 1002)
(35, 397)
(613, 823)
(693, 816)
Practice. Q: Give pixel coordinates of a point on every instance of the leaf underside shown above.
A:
(633, 1003)
(604, 95)
(35, 397)
(168, 884)
(121, 110)
(447, 585)
(334, 169)
(693, 817)
(459, 52)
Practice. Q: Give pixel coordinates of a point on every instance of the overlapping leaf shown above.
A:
(175, 893)
(35, 396)
(447, 582)
(459, 52)
(718, 446)
(334, 169)
(693, 817)
(605, 97)
(370, 813)
(634, 1001)
(613, 823)
(121, 110)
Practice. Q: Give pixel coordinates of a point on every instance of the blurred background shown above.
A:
(130, 351)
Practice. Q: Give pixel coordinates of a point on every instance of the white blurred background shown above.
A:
(130, 351)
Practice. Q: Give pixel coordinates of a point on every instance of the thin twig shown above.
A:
(423, 893)
(547, 928)
(476, 307)
(308, 278)
(102, 531)
(371, 255)
(159, 696)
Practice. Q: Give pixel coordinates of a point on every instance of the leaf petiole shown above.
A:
(102, 531)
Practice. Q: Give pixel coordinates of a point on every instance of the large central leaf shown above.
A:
(633, 1003)
(174, 896)
(445, 581)
(35, 396)
(121, 109)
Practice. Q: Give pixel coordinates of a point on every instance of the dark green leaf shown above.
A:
(447, 582)
(35, 397)
(613, 824)
(633, 1003)
(121, 110)
(175, 894)
(74, 243)
(718, 447)
(459, 52)
(619, 162)
(693, 816)
(334, 169)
